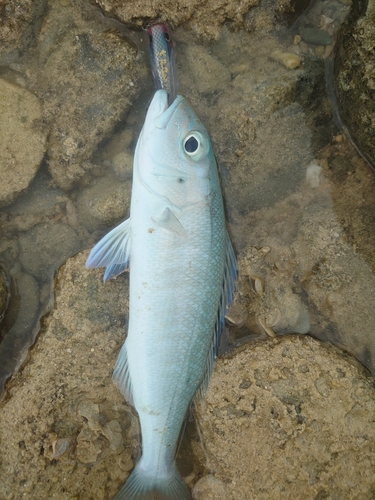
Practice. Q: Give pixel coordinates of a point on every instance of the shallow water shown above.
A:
(304, 235)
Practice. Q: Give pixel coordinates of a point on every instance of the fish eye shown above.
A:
(196, 145)
(191, 145)
(167, 37)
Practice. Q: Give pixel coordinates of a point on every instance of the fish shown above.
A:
(182, 272)
(163, 65)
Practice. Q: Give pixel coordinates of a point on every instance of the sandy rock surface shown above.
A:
(281, 417)
(22, 140)
(289, 418)
(65, 431)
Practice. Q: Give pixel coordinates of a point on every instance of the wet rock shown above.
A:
(19, 26)
(313, 173)
(4, 294)
(289, 422)
(313, 278)
(245, 118)
(88, 79)
(45, 246)
(62, 410)
(315, 36)
(23, 311)
(215, 76)
(204, 19)
(354, 77)
(22, 140)
(106, 201)
(112, 207)
(122, 165)
(289, 60)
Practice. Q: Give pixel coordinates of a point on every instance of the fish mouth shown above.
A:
(167, 113)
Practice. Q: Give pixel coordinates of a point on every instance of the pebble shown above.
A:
(297, 39)
(319, 50)
(287, 59)
(122, 165)
(315, 36)
(210, 488)
(313, 172)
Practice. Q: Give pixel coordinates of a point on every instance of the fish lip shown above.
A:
(166, 115)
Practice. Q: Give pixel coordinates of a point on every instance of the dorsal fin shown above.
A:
(230, 273)
(112, 251)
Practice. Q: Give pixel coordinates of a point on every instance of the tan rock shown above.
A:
(300, 427)
(22, 140)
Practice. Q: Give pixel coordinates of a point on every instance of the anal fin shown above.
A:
(121, 375)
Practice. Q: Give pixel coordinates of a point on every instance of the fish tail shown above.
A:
(142, 485)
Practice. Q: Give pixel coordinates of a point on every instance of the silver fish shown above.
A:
(182, 271)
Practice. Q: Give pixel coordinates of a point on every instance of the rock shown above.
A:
(354, 77)
(245, 117)
(22, 140)
(289, 60)
(210, 488)
(106, 201)
(204, 19)
(111, 207)
(215, 76)
(88, 80)
(301, 428)
(313, 173)
(19, 26)
(122, 165)
(315, 36)
(62, 410)
(4, 294)
(45, 246)
(14, 346)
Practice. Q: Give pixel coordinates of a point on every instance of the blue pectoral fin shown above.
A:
(230, 274)
(112, 251)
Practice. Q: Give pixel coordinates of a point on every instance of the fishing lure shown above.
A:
(163, 64)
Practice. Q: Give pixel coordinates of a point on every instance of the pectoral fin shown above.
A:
(112, 251)
(170, 222)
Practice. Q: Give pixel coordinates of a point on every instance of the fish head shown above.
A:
(175, 157)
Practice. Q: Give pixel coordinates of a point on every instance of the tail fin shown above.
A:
(143, 486)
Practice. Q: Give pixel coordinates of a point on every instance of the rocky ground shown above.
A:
(285, 417)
